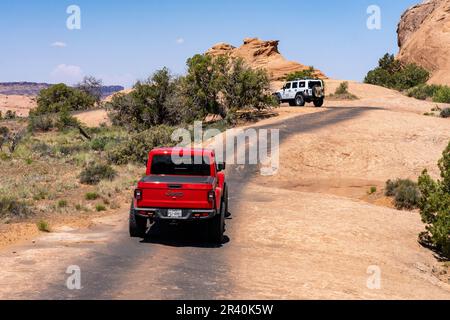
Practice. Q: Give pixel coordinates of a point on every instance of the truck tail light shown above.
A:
(138, 194)
(211, 196)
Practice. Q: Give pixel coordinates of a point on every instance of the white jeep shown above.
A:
(300, 91)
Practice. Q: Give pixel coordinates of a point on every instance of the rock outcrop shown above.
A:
(264, 55)
(424, 38)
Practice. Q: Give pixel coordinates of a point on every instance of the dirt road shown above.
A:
(302, 234)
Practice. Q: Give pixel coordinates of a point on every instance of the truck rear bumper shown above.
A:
(186, 214)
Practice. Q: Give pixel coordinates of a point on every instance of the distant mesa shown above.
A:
(424, 38)
(260, 54)
(32, 89)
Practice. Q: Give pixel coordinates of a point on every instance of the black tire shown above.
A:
(137, 225)
(225, 200)
(318, 102)
(299, 100)
(216, 227)
(292, 103)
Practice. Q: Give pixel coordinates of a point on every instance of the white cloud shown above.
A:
(180, 40)
(68, 74)
(59, 44)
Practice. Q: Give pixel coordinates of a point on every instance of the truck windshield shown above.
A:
(163, 165)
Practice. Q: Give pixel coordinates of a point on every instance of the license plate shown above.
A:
(173, 213)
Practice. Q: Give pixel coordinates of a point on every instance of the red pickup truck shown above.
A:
(193, 191)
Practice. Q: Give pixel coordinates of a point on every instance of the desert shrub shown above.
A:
(62, 203)
(44, 122)
(66, 120)
(43, 226)
(435, 207)
(42, 149)
(137, 147)
(99, 144)
(91, 196)
(342, 92)
(100, 207)
(390, 73)
(212, 85)
(59, 97)
(405, 192)
(13, 208)
(342, 88)
(307, 73)
(69, 149)
(244, 88)
(4, 136)
(423, 91)
(92, 87)
(93, 173)
(10, 115)
(410, 76)
(372, 190)
(146, 106)
(445, 113)
(442, 95)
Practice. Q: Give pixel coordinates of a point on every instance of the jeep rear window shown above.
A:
(163, 165)
(314, 83)
(302, 84)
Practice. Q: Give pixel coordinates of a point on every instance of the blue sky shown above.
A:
(121, 41)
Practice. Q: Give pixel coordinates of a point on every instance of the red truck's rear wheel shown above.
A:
(138, 225)
(216, 226)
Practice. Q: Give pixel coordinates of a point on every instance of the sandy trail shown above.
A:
(301, 234)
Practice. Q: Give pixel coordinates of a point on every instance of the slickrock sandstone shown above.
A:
(424, 38)
(262, 54)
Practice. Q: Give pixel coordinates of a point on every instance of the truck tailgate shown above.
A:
(180, 192)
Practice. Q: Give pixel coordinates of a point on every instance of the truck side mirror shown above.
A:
(221, 166)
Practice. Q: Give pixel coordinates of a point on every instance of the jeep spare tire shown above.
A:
(317, 92)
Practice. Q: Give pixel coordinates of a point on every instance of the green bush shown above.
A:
(100, 208)
(405, 192)
(43, 226)
(10, 115)
(410, 76)
(435, 207)
(136, 148)
(93, 173)
(342, 88)
(62, 203)
(146, 106)
(423, 91)
(43, 149)
(245, 88)
(212, 85)
(91, 196)
(445, 113)
(308, 73)
(99, 144)
(66, 121)
(442, 95)
(390, 73)
(44, 122)
(59, 97)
